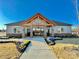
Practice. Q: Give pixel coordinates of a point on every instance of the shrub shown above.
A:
(21, 45)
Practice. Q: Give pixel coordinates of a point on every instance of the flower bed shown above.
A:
(21, 45)
(12, 49)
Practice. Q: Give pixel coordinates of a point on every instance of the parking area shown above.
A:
(63, 40)
(68, 40)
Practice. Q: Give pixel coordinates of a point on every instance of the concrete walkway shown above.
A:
(38, 50)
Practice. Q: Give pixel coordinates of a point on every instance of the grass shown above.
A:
(9, 51)
(66, 51)
(68, 48)
(2, 33)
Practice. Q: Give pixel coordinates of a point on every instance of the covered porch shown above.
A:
(37, 30)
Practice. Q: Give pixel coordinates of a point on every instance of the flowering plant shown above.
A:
(21, 45)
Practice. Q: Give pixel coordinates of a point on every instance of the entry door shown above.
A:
(38, 32)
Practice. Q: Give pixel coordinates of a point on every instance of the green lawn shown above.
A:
(69, 40)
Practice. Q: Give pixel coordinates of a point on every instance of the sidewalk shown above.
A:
(38, 50)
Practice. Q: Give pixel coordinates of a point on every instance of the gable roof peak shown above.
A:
(39, 14)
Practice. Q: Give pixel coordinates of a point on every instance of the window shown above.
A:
(16, 30)
(62, 29)
(58, 30)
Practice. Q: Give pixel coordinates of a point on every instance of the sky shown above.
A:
(18, 10)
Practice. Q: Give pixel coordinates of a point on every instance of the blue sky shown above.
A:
(17, 10)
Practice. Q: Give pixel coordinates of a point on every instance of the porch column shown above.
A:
(23, 33)
(31, 32)
(52, 31)
(45, 34)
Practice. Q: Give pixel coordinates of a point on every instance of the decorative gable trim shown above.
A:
(38, 15)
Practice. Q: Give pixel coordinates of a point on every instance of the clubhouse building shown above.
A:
(37, 25)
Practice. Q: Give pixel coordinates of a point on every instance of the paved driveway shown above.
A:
(69, 41)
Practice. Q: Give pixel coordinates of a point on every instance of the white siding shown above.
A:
(10, 29)
(66, 29)
(55, 29)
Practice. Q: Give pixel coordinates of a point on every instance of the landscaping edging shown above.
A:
(25, 47)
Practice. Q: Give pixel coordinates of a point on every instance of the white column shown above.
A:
(31, 32)
(52, 31)
(23, 34)
(45, 33)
